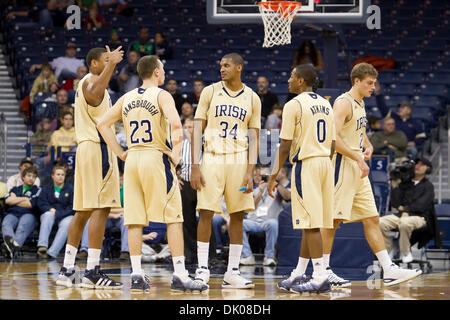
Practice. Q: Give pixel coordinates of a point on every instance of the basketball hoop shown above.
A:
(277, 18)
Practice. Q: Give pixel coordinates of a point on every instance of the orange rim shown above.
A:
(285, 5)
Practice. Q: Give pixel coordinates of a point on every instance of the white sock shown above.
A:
(301, 265)
(234, 256)
(178, 265)
(202, 253)
(384, 259)
(319, 269)
(69, 256)
(326, 260)
(93, 258)
(136, 264)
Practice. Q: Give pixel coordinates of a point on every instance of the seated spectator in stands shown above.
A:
(307, 53)
(114, 39)
(172, 87)
(154, 246)
(162, 47)
(32, 11)
(273, 121)
(43, 81)
(55, 206)
(193, 98)
(404, 121)
(72, 83)
(390, 140)
(115, 220)
(64, 67)
(20, 219)
(373, 125)
(52, 16)
(143, 46)
(187, 111)
(265, 216)
(16, 180)
(128, 78)
(40, 141)
(65, 136)
(87, 4)
(94, 19)
(268, 99)
(413, 202)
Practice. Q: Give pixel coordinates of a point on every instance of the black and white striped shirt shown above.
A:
(186, 160)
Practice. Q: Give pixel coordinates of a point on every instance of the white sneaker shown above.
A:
(408, 258)
(202, 275)
(396, 275)
(269, 262)
(247, 261)
(336, 281)
(233, 280)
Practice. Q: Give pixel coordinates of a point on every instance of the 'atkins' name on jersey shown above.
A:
(229, 110)
(320, 109)
(140, 104)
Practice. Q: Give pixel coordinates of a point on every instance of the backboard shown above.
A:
(312, 11)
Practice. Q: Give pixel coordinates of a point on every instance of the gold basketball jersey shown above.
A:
(229, 115)
(352, 132)
(87, 116)
(308, 121)
(145, 126)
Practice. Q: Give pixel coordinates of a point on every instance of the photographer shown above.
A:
(413, 198)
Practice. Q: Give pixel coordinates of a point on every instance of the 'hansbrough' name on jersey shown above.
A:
(145, 126)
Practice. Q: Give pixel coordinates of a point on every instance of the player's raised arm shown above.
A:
(167, 105)
(104, 127)
(94, 87)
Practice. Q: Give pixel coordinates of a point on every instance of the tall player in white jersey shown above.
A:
(96, 187)
(354, 199)
(151, 191)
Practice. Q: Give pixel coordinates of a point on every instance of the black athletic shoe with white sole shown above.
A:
(96, 279)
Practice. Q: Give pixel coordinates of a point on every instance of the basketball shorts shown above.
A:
(312, 197)
(96, 183)
(224, 175)
(354, 199)
(151, 191)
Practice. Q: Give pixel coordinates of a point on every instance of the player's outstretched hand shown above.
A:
(114, 56)
(364, 168)
(368, 153)
(124, 155)
(271, 186)
(197, 180)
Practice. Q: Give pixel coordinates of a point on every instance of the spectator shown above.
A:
(268, 99)
(72, 83)
(162, 47)
(187, 111)
(404, 121)
(172, 87)
(154, 245)
(128, 77)
(414, 203)
(307, 53)
(87, 3)
(143, 46)
(62, 101)
(16, 180)
(64, 67)
(274, 119)
(94, 19)
(114, 39)
(20, 219)
(390, 140)
(52, 16)
(55, 205)
(220, 225)
(374, 125)
(265, 216)
(65, 136)
(43, 81)
(40, 142)
(193, 98)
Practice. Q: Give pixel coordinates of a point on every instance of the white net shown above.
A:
(277, 18)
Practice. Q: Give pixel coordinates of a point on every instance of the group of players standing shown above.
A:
(327, 146)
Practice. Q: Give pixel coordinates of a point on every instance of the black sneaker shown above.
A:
(96, 279)
(68, 277)
(11, 246)
(140, 283)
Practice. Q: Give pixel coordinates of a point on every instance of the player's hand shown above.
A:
(124, 155)
(174, 158)
(197, 180)
(368, 153)
(114, 56)
(271, 186)
(248, 183)
(364, 168)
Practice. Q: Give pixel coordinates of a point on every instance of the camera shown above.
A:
(404, 171)
(264, 178)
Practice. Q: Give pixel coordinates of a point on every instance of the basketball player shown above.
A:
(151, 190)
(354, 199)
(308, 138)
(228, 111)
(97, 188)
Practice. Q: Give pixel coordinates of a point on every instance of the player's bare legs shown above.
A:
(204, 226)
(236, 231)
(96, 228)
(373, 234)
(76, 227)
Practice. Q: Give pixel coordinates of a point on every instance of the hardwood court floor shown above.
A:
(34, 280)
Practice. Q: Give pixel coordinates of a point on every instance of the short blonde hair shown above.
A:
(363, 70)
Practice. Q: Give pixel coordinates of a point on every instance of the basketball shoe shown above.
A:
(68, 277)
(140, 282)
(233, 280)
(96, 279)
(202, 275)
(314, 285)
(293, 279)
(336, 281)
(184, 283)
(395, 275)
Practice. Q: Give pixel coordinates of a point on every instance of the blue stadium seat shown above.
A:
(393, 101)
(402, 88)
(439, 78)
(440, 90)
(411, 77)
